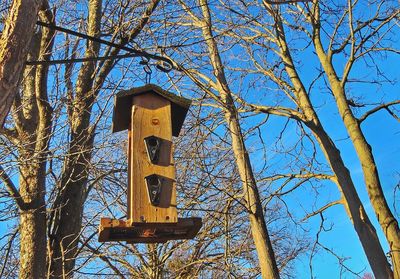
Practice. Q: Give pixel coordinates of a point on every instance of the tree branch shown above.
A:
(11, 189)
(319, 211)
(378, 108)
(300, 175)
(279, 111)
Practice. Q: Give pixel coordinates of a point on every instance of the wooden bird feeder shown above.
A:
(152, 116)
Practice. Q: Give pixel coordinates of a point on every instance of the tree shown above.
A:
(31, 137)
(14, 46)
(254, 208)
(359, 47)
(356, 43)
(309, 117)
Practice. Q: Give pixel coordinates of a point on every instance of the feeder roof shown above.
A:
(123, 106)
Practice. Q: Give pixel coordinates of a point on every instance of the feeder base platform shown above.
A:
(120, 230)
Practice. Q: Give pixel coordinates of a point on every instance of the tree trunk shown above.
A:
(33, 220)
(254, 208)
(14, 46)
(67, 216)
(33, 123)
(258, 226)
(355, 209)
(67, 219)
(383, 213)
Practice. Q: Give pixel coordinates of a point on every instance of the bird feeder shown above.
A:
(152, 116)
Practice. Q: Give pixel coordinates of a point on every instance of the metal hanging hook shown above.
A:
(163, 66)
(165, 63)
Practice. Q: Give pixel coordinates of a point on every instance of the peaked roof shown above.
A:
(123, 105)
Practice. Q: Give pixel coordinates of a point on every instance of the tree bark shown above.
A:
(14, 46)
(254, 208)
(32, 220)
(33, 123)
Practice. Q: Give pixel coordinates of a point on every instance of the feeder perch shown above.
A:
(152, 116)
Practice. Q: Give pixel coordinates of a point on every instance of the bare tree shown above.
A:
(251, 195)
(360, 46)
(305, 112)
(309, 117)
(31, 136)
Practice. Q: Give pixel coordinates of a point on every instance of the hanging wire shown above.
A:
(148, 72)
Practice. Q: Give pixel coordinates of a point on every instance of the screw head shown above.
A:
(155, 121)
